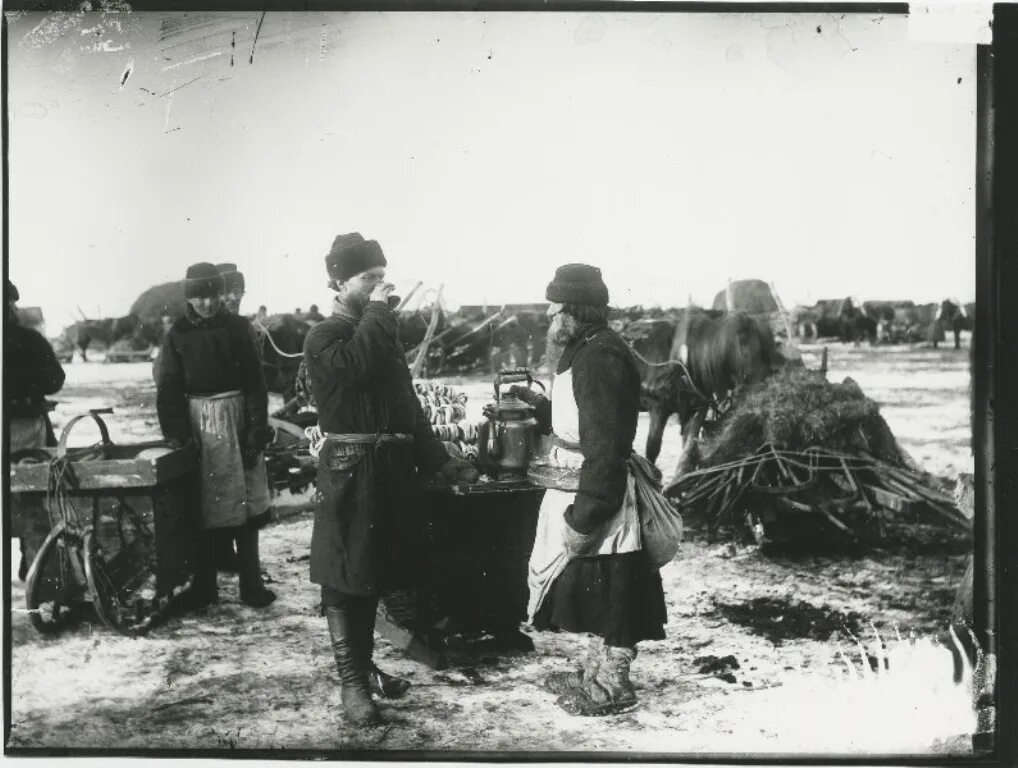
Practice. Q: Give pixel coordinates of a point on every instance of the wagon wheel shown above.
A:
(120, 573)
(56, 582)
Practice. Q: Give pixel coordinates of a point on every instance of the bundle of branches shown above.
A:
(798, 448)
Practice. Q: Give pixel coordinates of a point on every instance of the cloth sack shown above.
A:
(660, 522)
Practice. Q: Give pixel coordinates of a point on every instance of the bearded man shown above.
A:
(588, 571)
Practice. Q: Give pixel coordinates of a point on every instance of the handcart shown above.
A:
(120, 529)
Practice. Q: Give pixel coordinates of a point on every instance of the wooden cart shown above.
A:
(110, 525)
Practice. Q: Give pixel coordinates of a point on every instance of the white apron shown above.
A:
(230, 494)
(619, 534)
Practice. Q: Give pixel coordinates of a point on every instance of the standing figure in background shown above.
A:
(588, 571)
(31, 371)
(313, 315)
(227, 558)
(211, 392)
(233, 287)
(366, 537)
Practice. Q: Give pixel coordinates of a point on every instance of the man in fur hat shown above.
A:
(588, 571)
(365, 540)
(233, 287)
(226, 556)
(211, 392)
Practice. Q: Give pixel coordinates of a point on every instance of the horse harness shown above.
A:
(263, 332)
(686, 382)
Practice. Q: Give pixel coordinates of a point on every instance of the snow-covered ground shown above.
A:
(237, 677)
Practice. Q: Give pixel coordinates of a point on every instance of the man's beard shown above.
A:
(561, 333)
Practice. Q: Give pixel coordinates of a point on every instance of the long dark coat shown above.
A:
(366, 535)
(617, 597)
(31, 371)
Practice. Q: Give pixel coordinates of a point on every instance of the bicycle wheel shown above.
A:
(120, 572)
(56, 584)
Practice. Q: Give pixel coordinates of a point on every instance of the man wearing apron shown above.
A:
(211, 391)
(588, 571)
(233, 293)
(366, 535)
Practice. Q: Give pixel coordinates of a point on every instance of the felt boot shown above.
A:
(355, 693)
(585, 670)
(609, 692)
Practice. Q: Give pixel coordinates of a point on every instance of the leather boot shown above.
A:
(252, 591)
(585, 670)
(382, 684)
(609, 692)
(353, 676)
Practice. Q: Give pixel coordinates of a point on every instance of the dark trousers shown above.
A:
(210, 544)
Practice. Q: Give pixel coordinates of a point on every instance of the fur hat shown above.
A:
(202, 280)
(12, 292)
(578, 284)
(352, 254)
(233, 280)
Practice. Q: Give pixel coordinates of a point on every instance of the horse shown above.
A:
(280, 340)
(710, 355)
(107, 331)
(882, 313)
(855, 323)
(951, 315)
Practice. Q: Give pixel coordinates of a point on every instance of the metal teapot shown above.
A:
(507, 439)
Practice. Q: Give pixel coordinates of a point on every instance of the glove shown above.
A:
(526, 394)
(254, 443)
(459, 471)
(575, 543)
(177, 442)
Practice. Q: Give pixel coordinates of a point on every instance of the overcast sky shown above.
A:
(828, 154)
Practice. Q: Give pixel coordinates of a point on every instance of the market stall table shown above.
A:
(473, 579)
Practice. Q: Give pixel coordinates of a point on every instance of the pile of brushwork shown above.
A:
(797, 457)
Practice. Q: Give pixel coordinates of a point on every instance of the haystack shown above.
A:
(165, 299)
(797, 448)
(752, 296)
